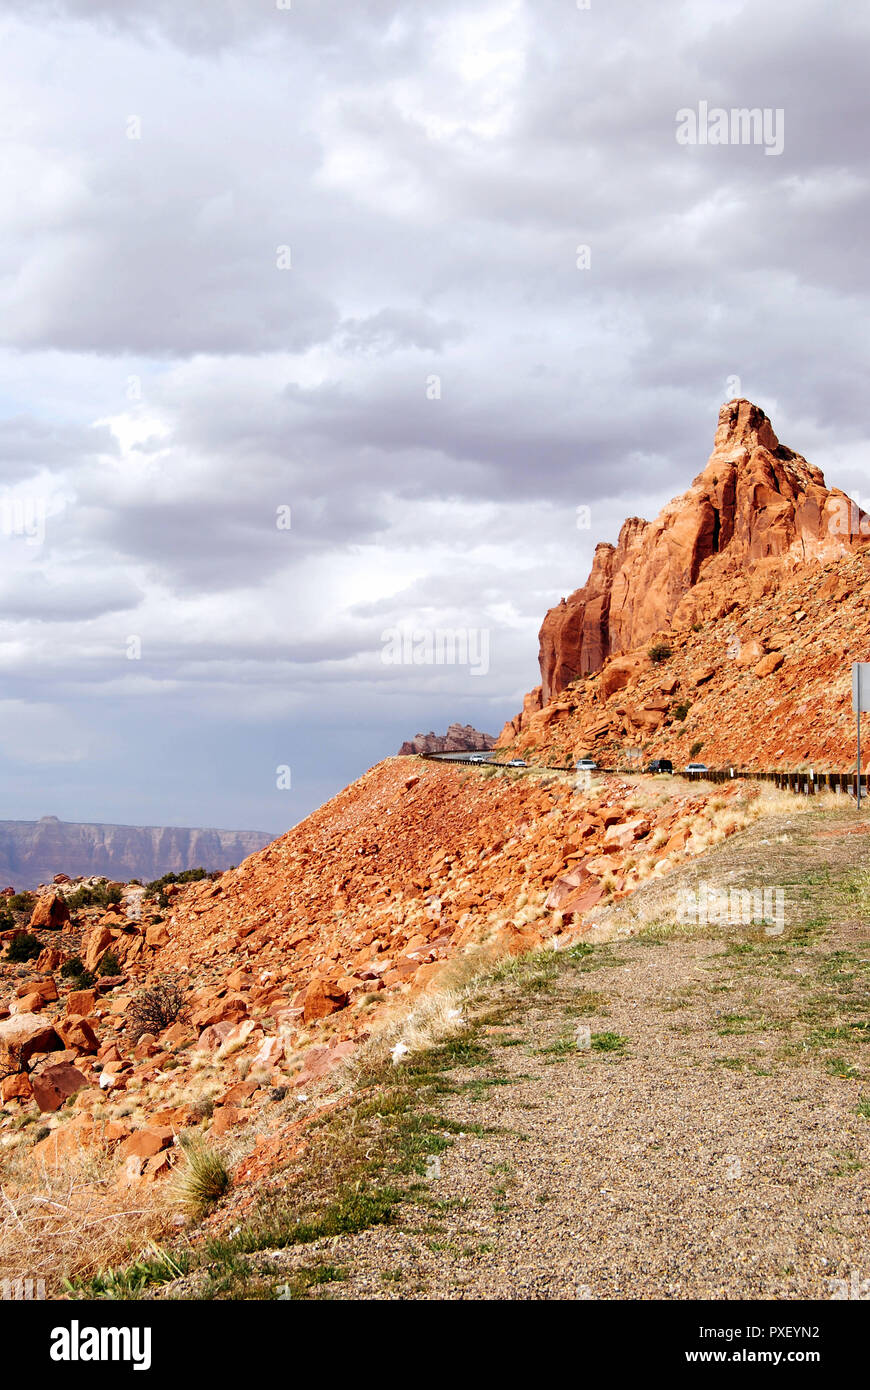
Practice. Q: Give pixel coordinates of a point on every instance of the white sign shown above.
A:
(861, 686)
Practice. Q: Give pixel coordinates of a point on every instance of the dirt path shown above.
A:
(713, 1141)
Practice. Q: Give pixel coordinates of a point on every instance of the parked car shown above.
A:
(697, 767)
(517, 762)
(661, 765)
(586, 765)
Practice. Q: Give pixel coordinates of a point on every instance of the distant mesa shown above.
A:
(460, 738)
(44, 850)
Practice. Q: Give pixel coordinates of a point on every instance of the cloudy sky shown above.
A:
(317, 263)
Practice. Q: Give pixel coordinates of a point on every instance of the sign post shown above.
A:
(860, 701)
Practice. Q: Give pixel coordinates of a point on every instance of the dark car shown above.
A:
(661, 765)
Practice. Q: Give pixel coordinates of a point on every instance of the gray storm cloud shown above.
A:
(426, 278)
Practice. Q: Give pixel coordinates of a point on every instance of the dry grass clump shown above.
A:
(659, 837)
(204, 1178)
(433, 1017)
(71, 1220)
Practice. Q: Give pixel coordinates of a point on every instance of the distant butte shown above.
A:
(460, 738)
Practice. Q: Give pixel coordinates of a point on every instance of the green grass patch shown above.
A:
(609, 1042)
(302, 1281)
(838, 1066)
(153, 1268)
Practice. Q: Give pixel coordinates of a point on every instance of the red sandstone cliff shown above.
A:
(756, 512)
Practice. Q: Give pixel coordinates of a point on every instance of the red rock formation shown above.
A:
(50, 911)
(460, 738)
(575, 637)
(755, 513)
(532, 703)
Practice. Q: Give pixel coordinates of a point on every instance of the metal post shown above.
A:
(859, 755)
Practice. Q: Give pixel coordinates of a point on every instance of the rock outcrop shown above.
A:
(34, 852)
(759, 574)
(50, 911)
(753, 516)
(460, 738)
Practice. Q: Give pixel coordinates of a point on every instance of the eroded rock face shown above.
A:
(460, 738)
(575, 636)
(753, 515)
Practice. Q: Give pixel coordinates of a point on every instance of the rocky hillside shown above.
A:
(727, 626)
(460, 738)
(285, 966)
(32, 852)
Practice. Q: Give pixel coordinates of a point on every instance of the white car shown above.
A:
(517, 762)
(586, 765)
(697, 767)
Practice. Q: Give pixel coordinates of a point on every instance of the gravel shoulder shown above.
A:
(712, 1142)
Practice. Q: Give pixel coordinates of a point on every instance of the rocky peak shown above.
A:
(753, 516)
(743, 427)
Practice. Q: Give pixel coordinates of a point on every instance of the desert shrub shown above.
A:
(695, 749)
(109, 965)
(21, 902)
(7, 921)
(682, 709)
(659, 652)
(205, 1177)
(24, 946)
(73, 969)
(186, 876)
(95, 895)
(82, 897)
(155, 1009)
